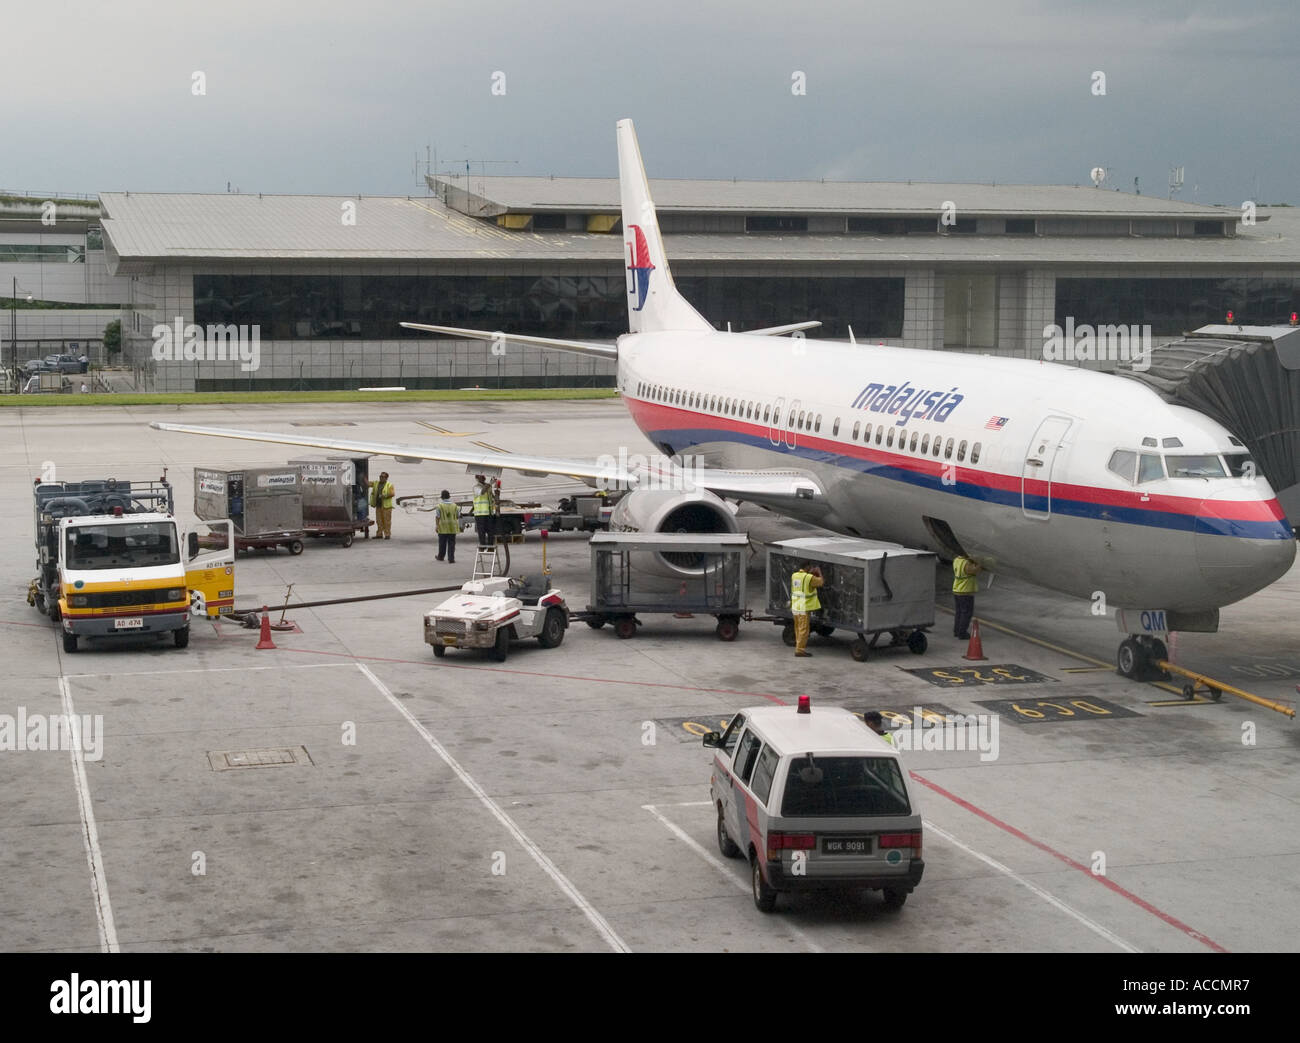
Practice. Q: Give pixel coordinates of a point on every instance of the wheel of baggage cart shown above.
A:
(823, 630)
(347, 539)
(502, 647)
(728, 627)
(858, 650)
(295, 546)
(439, 650)
(1189, 691)
(595, 622)
(917, 642)
(787, 634)
(625, 627)
(552, 629)
(69, 642)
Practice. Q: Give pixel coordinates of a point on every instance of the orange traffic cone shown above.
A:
(974, 650)
(682, 594)
(264, 639)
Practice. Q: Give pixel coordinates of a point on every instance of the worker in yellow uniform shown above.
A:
(804, 601)
(483, 510)
(964, 585)
(381, 499)
(448, 526)
(877, 724)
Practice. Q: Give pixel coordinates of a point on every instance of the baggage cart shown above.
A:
(871, 588)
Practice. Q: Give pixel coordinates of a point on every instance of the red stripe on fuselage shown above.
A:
(650, 416)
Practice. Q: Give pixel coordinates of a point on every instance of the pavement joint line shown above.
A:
(1105, 881)
(718, 864)
(358, 660)
(1045, 895)
(89, 832)
(567, 888)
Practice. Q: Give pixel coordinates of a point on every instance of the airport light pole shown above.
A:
(13, 331)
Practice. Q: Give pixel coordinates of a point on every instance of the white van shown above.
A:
(816, 801)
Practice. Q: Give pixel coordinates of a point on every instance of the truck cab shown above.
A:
(113, 561)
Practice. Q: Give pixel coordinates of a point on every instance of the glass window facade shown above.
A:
(579, 306)
(1173, 306)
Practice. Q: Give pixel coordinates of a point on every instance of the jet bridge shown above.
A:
(1248, 379)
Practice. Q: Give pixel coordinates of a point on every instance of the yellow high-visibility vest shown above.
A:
(448, 517)
(384, 495)
(482, 501)
(962, 581)
(803, 596)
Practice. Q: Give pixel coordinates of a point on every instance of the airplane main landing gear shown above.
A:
(1138, 655)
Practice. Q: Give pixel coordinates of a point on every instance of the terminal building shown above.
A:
(322, 282)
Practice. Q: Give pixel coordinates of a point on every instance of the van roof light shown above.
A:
(805, 704)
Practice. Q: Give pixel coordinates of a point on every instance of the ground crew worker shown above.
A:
(964, 585)
(483, 511)
(448, 526)
(803, 602)
(381, 499)
(876, 724)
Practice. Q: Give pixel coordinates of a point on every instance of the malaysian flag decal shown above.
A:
(996, 423)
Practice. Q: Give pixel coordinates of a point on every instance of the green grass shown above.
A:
(211, 398)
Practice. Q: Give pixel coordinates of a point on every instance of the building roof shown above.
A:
(592, 195)
(141, 230)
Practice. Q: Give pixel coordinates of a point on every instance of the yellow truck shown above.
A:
(113, 561)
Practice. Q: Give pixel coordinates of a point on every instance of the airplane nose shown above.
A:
(1235, 557)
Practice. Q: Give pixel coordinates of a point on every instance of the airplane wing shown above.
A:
(578, 347)
(769, 488)
(776, 331)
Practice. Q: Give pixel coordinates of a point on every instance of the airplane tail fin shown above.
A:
(653, 303)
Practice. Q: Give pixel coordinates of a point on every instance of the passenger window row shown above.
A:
(807, 420)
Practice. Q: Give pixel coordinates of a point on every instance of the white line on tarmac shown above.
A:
(716, 863)
(1051, 899)
(548, 867)
(206, 670)
(89, 834)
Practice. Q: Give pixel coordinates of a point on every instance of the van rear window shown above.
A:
(844, 786)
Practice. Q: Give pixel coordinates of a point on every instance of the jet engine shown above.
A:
(668, 511)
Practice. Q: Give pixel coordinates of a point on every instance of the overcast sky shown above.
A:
(337, 97)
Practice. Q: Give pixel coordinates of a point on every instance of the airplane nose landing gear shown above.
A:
(1138, 655)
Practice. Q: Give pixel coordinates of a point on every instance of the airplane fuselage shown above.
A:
(1020, 463)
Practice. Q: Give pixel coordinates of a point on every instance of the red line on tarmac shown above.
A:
(539, 673)
(15, 623)
(1191, 932)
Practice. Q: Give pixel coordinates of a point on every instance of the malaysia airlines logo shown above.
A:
(640, 267)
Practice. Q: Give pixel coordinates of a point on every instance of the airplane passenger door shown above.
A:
(791, 416)
(774, 434)
(1036, 473)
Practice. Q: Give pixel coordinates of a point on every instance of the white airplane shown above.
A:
(1081, 482)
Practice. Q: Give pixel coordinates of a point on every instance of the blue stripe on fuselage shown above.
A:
(1173, 520)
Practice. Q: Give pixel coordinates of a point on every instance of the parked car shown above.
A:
(67, 363)
(34, 366)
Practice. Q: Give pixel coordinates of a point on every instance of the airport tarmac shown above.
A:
(560, 801)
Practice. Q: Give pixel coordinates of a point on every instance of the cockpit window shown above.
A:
(1172, 443)
(1150, 469)
(1198, 466)
(1122, 463)
(1240, 465)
